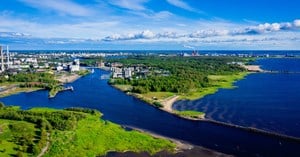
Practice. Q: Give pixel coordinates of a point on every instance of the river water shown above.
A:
(93, 92)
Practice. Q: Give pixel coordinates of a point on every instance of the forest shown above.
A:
(188, 74)
(33, 80)
(70, 131)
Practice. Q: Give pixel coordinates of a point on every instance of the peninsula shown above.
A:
(161, 80)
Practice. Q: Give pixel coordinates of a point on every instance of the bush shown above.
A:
(157, 104)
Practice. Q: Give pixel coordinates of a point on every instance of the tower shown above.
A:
(8, 57)
(2, 64)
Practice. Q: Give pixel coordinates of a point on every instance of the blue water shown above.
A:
(91, 91)
(280, 64)
(266, 101)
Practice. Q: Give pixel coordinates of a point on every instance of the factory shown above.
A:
(5, 59)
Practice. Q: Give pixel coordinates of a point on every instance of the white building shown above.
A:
(127, 72)
(75, 66)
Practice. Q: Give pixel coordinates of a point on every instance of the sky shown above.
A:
(150, 24)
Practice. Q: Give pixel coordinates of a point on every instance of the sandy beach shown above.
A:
(168, 103)
(253, 68)
(68, 78)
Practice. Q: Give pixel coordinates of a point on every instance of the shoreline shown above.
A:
(168, 103)
(68, 78)
(249, 129)
(181, 146)
(15, 89)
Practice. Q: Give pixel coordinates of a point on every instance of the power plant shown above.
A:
(3, 67)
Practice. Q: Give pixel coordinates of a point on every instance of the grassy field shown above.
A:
(190, 114)
(158, 95)
(11, 130)
(89, 136)
(218, 81)
(123, 87)
(14, 90)
(95, 137)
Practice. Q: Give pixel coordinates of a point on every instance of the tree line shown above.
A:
(187, 73)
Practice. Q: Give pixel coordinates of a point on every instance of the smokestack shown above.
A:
(2, 64)
(7, 53)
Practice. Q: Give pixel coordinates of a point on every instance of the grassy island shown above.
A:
(156, 79)
(69, 132)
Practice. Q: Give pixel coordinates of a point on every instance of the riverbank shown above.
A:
(165, 100)
(74, 131)
(7, 89)
(67, 78)
(182, 149)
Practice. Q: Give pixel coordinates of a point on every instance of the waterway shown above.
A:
(265, 101)
(93, 92)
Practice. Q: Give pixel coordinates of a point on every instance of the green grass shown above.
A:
(55, 90)
(8, 135)
(190, 114)
(15, 90)
(157, 95)
(18, 90)
(217, 82)
(95, 137)
(83, 72)
(123, 87)
(89, 136)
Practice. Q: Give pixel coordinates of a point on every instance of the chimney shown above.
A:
(2, 64)
(7, 53)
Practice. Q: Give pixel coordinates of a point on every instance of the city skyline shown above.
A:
(150, 25)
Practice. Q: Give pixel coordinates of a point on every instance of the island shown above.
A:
(162, 80)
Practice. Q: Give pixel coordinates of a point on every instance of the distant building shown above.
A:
(75, 66)
(59, 68)
(127, 72)
(117, 72)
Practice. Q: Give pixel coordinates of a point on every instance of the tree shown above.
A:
(2, 105)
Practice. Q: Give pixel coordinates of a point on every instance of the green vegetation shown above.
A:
(83, 72)
(29, 81)
(16, 137)
(91, 61)
(190, 77)
(54, 90)
(190, 114)
(73, 131)
(124, 88)
(217, 82)
(157, 95)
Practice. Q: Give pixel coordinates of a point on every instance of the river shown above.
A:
(93, 92)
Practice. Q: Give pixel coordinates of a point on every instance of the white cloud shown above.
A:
(60, 6)
(268, 28)
(297, 23)
(13, 35)
(181, 4)
(199, 35)
(130, 4)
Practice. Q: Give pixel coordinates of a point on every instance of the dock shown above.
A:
(68, 88)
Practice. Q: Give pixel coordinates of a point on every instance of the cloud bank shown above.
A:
(260, 29)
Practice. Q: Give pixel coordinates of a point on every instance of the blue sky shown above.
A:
(150, 24)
